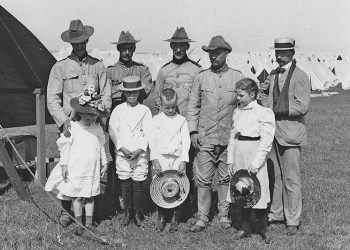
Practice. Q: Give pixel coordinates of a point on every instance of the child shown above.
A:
(77, 175)
(251, 139)
(129, 128)
(169, 146)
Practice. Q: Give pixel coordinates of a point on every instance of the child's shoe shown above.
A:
(128, 217)
(138, 218)
(78, 230)
(174, 222)
(161, 220)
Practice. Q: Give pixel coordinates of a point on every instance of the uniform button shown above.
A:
(84, 83)
(220, 86)
(218, 110)
(177, 76)
(125, 69)
(219, 98)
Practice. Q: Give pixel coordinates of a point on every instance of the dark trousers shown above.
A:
(132, 193)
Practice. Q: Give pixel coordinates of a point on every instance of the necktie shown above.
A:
(280, 70)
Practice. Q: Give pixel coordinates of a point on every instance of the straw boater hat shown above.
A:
(170, 189)
(89, 102)
(125, 37)
(217, 42)
(77, 32)
(245, 188)
(284, 43)
(131, 83)
(180, 36)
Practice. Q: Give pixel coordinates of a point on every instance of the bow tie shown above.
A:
(280, 70)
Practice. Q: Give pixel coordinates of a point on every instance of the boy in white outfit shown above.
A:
(130, 127)
(169, 144)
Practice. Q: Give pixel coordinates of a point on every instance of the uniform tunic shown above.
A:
(130, 127)
(170, 141)
(117, 72)
(68, 79)
(253, 121)
(83, 153)
(179, 77)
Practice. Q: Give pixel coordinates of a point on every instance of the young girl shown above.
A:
(251, 139)
(129, 128)
(77, 175)
(169, 144)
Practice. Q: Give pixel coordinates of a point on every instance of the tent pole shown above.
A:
(40, 132)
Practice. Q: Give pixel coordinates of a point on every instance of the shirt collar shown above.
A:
(287, 65)
(223, 69)
(74, 57)
(251, 105)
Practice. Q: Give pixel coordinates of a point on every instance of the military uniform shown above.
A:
(68, 78)
(179, 77)
(210, 110)
(117, 72)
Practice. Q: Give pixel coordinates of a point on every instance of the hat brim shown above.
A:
(274, 48)
(125, 42)
(155, 189)
(131, 89)
(86, 109)
(256, 195)
(209, 49)
(88, 32)
(171, 40)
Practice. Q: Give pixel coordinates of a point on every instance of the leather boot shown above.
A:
(174, 221)
(161, 220)
(128, 216)
(138, 218)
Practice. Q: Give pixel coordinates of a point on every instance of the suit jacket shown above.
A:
(291, 129)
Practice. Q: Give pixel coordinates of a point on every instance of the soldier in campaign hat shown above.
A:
(68, 78)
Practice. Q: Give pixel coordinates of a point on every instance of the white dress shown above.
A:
(253, 121)
(83, 153)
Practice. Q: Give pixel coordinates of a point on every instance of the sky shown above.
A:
(248, 25)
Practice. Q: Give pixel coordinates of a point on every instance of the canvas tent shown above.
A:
(25, 65)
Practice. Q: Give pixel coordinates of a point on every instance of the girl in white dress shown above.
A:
(77, 175)
(251, 139)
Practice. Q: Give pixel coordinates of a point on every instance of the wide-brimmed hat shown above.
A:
(217, 42)
(89, 102)
(131, 83)
(284, 43)
(77, 32)
(180, 36)
(245, 188)
(126, 37)
(170, 189)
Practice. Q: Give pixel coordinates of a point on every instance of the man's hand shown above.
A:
(156, 166)
(134, 155)
(231, 169)
(64, 171)
(103, 170)
(126, 152)
(157, 102)
(66, 128)
(182, 168)
(194, 141)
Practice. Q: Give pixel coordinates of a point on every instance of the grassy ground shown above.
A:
(325, 220)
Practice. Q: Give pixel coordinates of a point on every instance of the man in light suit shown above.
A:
(288, 94)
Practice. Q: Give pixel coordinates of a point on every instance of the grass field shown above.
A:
(325, 219)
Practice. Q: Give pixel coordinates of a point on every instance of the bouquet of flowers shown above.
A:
(91, 98)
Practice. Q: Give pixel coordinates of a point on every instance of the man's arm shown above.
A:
(55, 95)
(158, 88)
(146, 78)
(105, 87)
(300, 103)
(194, 106)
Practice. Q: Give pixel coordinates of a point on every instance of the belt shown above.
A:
(247, 138)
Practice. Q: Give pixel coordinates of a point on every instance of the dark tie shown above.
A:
(280, 70)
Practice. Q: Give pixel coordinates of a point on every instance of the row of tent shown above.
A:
(324, 70)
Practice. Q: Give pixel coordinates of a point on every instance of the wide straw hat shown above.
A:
(169, 189)
(217, 42)
(77, 32)
(89, 102)
(245, 188)
(180, 36)
(131, 83)
(284, 43)
(126, 37)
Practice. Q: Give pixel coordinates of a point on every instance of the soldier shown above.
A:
(68, 78)
(179, 75)
(210, 109)
(126, 46)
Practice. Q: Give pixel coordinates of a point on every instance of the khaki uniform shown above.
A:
(68, 78)
(210, 109)
(117, 72)
(179, 77)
